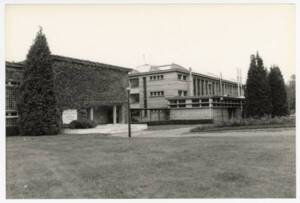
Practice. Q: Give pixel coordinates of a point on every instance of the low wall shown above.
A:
(191, 114)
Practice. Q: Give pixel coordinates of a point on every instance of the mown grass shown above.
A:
(93, 166)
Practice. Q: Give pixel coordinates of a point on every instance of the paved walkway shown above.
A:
(107, 129)
(185, 132)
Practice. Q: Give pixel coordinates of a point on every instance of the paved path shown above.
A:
(185, 132)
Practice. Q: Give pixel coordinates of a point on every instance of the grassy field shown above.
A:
(91, 166)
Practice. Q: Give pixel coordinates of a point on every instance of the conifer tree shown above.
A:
(291, 94)
(37, 104)
(257, 92)
(278, 92)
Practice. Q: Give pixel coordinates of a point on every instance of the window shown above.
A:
(134, 82)
(181, 77)
(157, 94)
(173, 103)
(182, 93)
(195, 103)
(13, 83)
(205, 102)
(156, 77)
(134, 98)
(12, 114)
(11, 98)
(181, 103)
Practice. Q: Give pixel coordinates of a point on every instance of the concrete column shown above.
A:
(201, 88)
(215, 86)
(123, 113)
(198, 86)
(115, 114)
(210, 107)
(91, 113)
(195, 86)
(190, 83)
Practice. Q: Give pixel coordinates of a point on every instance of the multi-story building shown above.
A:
(172, 92)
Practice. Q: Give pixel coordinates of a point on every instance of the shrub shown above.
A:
(266, 120)
(82, 124)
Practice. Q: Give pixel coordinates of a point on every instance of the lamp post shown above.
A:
(221, 99)
(129, 113)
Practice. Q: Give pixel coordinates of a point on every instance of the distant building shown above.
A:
(172, 92)
(85, 90)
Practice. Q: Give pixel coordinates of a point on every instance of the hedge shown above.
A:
(82, 124)
(178, 122)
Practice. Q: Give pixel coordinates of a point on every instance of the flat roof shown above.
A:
(20, 65)
(89, 63)
(203, 97)
(180, 70)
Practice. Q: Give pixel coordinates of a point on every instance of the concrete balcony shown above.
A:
(135, 105)
(135, 90)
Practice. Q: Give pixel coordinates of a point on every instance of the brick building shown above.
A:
(85, 89)
(172, 92)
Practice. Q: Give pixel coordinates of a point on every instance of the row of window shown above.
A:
(205, 87)
(216, 102)
(157, 94)
(135, 97)
(181, 77)
(13, 83)
(12, 114)
(156, 77)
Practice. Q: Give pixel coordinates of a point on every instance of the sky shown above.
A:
(208, 38)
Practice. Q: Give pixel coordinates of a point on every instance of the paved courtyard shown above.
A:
(169, 163)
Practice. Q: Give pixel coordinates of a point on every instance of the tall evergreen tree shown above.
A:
(278, 92)
(37, 104)
(257, 92)
(291, 94)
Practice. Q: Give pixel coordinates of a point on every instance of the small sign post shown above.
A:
(129, 113)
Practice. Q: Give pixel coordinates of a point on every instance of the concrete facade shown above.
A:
(156, 88)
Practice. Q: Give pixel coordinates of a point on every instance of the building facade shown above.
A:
(85, 90)
(172, 92)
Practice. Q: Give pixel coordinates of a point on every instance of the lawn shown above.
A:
(94, 166)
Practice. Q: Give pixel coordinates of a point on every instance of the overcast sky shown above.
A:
(207, 38)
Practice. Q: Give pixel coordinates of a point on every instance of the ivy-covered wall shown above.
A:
(80, 85)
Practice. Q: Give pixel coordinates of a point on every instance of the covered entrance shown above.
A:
(107, 114)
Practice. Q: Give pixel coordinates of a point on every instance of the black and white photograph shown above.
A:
(149, 100)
